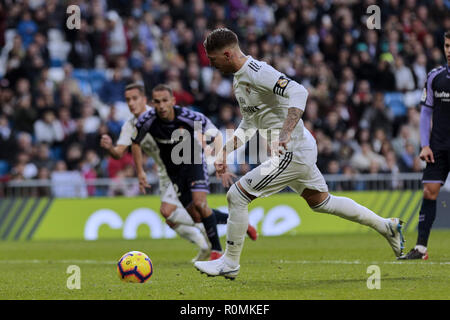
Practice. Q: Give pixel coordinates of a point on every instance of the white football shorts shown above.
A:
(168, 193)
(293, 170)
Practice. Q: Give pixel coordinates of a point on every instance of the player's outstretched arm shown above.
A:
(137, 157)
(116, 152)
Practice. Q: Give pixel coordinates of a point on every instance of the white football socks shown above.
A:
(348, 209)
(184, 226)
(237, 224)
(181, 216)
(191, 234)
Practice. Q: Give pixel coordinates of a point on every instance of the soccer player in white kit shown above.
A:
(171, 209)
(269, 100)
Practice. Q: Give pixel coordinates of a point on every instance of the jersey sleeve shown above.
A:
(427, 94)
(142, 126)
(208, 127)
(426, 115)
(126, 133)
(269, 79)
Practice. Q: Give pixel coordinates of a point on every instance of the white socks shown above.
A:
(237, 224)
(192, 234)
(348, 209)
(187, 229)
(181, 216)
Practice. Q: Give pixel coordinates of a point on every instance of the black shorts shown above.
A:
(437, 172)
(190, 178)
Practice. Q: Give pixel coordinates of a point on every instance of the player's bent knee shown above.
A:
(200, 205)
(431, 192)
(316, 199)
(166, 211)
(237, 197)
(170, 224)
(322, 206)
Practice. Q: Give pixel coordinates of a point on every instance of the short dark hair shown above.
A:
(447, 34)
(136, 85)
(219, 39)
(163, 87)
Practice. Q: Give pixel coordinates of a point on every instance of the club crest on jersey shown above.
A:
(134, 134)
(424, 95)
(247, 89)
(281, 85)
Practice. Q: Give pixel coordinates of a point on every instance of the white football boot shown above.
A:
(218, 267)
(394, 235)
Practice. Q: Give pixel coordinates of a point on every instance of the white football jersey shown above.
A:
(148, 145)
(264, 96)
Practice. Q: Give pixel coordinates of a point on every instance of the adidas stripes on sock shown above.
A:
(191, 234)
(426, 218)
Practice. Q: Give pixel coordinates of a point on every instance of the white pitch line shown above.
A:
(36, 261)
(361, 262)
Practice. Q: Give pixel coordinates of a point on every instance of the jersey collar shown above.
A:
(241, 70)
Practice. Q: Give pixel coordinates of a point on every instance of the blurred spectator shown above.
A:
(403, 139)
(119, 187)
(261, 15)
(364, 85)
(74, 156)
(91, 121)
(27, 28)
(81, 55)
(67, 123)
(366, 158)
(114, 125)
(116, 36)
(42, 157)
(378, 116)
(113, 90)
(404, 80)
(407, 158)
(384, 78)
(48, 129)
(7, 143)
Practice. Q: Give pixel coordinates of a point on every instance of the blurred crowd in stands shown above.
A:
(61, 89)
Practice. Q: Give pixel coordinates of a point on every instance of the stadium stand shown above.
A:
(60, 89)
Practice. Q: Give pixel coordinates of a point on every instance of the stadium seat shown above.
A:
(96, 80)
(82, 76)
(4, 167)
(58, 47)
(56, 153)
(394, 101)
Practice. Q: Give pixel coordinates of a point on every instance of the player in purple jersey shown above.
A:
(435, 143)
(181, 150)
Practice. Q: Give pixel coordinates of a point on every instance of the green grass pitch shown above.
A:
(279, 268)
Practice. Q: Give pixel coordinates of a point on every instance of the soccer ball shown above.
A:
(135, 266)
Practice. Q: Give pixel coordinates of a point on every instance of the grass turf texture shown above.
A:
(288, 268)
